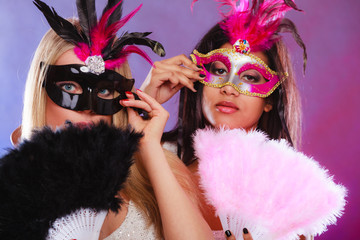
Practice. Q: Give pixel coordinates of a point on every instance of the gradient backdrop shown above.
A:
(330, 87)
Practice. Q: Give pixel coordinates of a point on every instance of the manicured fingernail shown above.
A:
(125, 100)
(139, 90)
(245, 231)
(202, 75)
(227, 233)
(199, 66)
(128, 92)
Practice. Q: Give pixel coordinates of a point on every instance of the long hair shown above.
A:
(283, 121)
(137, 187)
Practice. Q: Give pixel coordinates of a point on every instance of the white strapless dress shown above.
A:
(134, 227)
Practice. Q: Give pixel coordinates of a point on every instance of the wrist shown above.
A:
(148, 144)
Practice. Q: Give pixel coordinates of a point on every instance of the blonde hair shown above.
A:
(138, 187)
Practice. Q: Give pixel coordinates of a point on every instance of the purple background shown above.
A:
(329, 89)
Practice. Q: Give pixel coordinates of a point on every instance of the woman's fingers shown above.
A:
(170, 75)
(152, 128)
(177, 80)
(160, 67)
(247, 234)
(182, 60)
(146, 103)
(229, 235)
(154, 105)
(131, 102)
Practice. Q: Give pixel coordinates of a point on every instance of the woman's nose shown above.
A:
(229, 90)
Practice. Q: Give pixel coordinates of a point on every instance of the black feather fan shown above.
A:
(55, 173)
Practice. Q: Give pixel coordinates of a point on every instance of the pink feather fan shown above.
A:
(265, 185)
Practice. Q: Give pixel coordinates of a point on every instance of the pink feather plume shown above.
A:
(256, 24)
(113, 63)
(265, 185)
(102, 34)
(82, 51)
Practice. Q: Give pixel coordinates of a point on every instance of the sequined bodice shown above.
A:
(133, 227)
(219, 235)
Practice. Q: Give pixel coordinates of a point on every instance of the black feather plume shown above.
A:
(94, 33)
(114, 17)
(87, 16)
(117, 14)
(56, 173)
(287, 25)
(292, 4)
(137, 38)
(61, 26)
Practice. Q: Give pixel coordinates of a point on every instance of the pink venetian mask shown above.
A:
(238, 68)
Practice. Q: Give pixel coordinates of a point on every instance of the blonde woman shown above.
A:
(159, 188)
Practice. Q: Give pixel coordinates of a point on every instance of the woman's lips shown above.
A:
(226, 107)
(83, 125)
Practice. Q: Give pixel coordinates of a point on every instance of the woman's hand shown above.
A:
(169, 76)
(246, 235)
(181, 219)
(152, 128)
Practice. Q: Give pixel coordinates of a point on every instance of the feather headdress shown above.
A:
(96, 42)
(265, 185)
(61, 174)
(258, 25)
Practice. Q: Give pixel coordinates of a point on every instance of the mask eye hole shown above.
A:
(107, 90)
(252, 76)
(70, 87)
(105, 93)
(217, 68)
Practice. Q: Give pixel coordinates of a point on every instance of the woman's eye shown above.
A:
(218, 68)
(105, 93)
(70, 87)
(220, 71)
(250, 78)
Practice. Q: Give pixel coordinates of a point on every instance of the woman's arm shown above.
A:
(181, 219)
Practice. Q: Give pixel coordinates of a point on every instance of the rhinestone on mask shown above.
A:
(242, 46)
(95, 64)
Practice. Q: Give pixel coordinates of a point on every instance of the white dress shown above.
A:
(134, 227)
